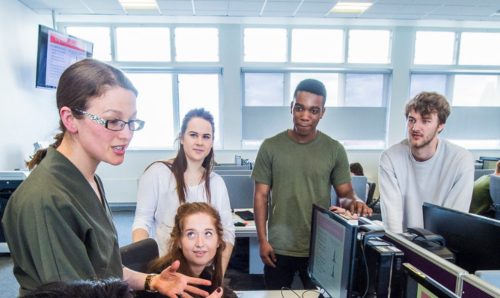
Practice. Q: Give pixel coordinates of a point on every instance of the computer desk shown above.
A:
(278, 294)
(255, 265)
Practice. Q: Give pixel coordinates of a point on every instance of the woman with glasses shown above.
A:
(57, 223)
(197, 241)
(165, 185)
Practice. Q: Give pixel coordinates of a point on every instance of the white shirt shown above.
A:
(157, 203)
(446, 179)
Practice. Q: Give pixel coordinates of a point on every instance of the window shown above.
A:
(317, 45)
(154, 105)
(99, 36)
(364, 90)
(479, 48)
(265, 45)
(200, 91)
(355, 114)
(427, 82)
(434, 47)
(369, 46)
(143, 44)
(264, 89)
(476, 90)
(473, 96)
(189, 41)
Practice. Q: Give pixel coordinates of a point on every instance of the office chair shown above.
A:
(495, 194)
(138, 255)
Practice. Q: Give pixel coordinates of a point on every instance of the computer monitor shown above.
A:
(419, 285)
(240, 190)
(332, 252)
(489, 162)
(474, 239)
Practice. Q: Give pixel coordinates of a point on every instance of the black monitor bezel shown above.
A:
(463, 235)
(351, 231)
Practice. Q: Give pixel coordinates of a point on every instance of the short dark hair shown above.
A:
(105, 288)
(312, 86)
(356, 169)
(426, 103)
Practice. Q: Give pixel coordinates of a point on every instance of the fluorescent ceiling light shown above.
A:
(350, 7)
(138, 4)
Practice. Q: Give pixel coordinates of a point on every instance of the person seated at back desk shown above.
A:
(481, 199)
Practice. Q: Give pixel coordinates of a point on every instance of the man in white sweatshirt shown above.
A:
(423, 167)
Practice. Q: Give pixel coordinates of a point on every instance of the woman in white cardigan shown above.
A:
(165, 185)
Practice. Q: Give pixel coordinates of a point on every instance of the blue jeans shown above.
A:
(282, 275)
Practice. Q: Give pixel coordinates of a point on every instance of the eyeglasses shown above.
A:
(115, 124)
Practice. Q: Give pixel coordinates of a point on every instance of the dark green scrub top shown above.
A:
(57, 229)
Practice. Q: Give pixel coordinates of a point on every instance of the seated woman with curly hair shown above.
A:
(197, 241)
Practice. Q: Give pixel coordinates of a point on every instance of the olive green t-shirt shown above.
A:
(481, 199)
(298, 175)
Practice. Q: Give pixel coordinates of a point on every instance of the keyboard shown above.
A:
(245, 215)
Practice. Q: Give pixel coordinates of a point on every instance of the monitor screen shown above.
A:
(332, 252)
(240, 190)
(420, 285)
(57, 51)
(474, 239)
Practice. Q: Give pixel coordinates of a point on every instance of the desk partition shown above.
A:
(474, 287)
(444, 272)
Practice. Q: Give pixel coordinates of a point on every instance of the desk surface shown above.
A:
(248, 230)
(278, 294)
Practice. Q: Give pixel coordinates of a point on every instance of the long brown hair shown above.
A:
(174, 244)
(79, 83)
(179, 165)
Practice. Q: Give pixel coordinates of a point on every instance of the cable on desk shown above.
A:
(288, 289)
(310, 290)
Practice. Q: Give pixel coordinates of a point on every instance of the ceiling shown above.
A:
(463, 10)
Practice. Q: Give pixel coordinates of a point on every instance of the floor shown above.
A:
(237, 274)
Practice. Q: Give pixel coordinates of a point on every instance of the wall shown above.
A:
(27, 114)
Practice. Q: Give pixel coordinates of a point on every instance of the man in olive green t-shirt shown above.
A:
(298, 166)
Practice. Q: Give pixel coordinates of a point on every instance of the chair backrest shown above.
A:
(481, 172)
(359, 186)
(495, 189)
(138, 255)
(495, 193)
